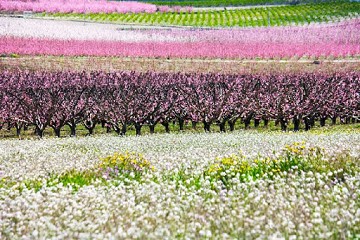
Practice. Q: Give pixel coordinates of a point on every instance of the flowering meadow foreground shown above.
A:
(234, 185)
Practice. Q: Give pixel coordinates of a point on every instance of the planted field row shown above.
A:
(32, 46)
(120, 99)
(75, 6)
(342, 33)
(111, 64)
(222, 3)
(251, 17)
(46, 37)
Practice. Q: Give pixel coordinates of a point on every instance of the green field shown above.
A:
(218, 3)
(251, 17)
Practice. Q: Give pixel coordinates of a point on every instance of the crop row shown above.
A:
(207, 3)
(56, 63)
(120, 99)
(33, 46)
(344, 32)
(249, 17)
(334, 35)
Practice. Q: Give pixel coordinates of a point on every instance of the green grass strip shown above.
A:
(222, 3)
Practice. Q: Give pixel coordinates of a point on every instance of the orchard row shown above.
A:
(120, 99)
(47, 37)
(55, 47)
(222, 3)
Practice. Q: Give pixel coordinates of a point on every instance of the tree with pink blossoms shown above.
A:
(208, 97)
(76, 6)
(150, 102)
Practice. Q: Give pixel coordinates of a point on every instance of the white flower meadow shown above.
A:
(307, 206)
(72, 30)
(30, 159)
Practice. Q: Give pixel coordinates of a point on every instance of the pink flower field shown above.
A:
(75, 6)
(337, 40)
(34, 46)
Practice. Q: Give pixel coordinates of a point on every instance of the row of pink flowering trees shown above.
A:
(86, 6)
(323, 40)
(119, 99)
(57, 47)
(76, 6)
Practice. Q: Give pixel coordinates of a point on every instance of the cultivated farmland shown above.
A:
(249, 17)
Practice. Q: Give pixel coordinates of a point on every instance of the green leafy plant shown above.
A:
(295, 158)
(129, 164)
(118, 166)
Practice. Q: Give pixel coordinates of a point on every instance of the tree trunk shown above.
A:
(247, 122)
(283, 124)
(18, 131)
(123, 129)
(18, 127)
(322, 121)
(39, 132)
(222, 126)
(277, 121)
(193, 125)
(296, 122)
(138, 129)
(152, 128)
(266, 122)
(347, 120)
(307, 124)
(207, 126)
(72, 130)
(181, 124)
(333, 120)
(90, 125)
(117, 129)
(342, 120)
(91, 130)
(72, 126)
(256, 122)
(57, 131)
(232, 124)
(26, 127)
(166, 125)
(103, 122)
(9, 126)
(353, 120)
(312, 122)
